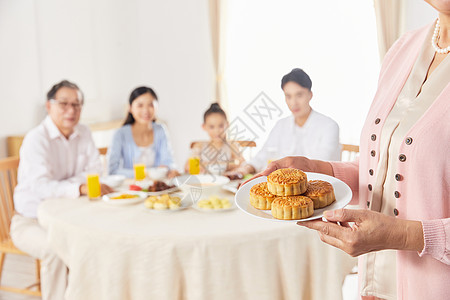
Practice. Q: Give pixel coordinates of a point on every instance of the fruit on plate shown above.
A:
(214, 202)
(134, 187)
(162, 202)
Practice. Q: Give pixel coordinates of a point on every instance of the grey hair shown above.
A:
(65, 83)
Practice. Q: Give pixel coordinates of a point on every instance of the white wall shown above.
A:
(418, 14)
(336, 46)
(108, 48)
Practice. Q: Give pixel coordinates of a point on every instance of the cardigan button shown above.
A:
(402, 157)
(398, 177)
(395, 212)
(368, 203)
(371, 172)
(396, 194)
(377, 120)
(373, 137)
(369, 187)
(408, 140)
(372, 153)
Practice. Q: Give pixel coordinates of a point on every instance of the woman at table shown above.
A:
(402, 178)
(141, 139)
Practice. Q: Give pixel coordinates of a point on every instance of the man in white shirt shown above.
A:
(54, 160)
(306, 132)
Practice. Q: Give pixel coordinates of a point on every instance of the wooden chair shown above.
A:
(13, 144)
(103, 159)
(8, 181)
(103, 150)
(349, 152)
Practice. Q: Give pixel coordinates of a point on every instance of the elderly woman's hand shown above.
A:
(297, 162)
(371, 231)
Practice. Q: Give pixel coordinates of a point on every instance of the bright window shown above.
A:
(333, 41)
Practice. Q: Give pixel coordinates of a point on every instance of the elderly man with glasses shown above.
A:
(54, 160)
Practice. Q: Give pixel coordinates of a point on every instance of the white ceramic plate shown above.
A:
(203, 180)
(232, 186)
(147, 183)
(141, 196)
(200, 186)
(186, 202)
(168, 191)
(342, 192)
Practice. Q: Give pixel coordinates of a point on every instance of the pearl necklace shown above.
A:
(435, 39)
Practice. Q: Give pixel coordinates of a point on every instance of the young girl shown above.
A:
(141, 138)
(217, 155)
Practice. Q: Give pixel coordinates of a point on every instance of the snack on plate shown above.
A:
(214, 202)
(289, 196)
(287, 182)
(134, 187)
(162, 202)
(292, 207)
(159, 186)
(260, 197)
(124, 196)
(320, 192)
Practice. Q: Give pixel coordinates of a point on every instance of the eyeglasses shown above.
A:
(64, 105)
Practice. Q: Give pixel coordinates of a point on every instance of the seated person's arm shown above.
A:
(35, 162)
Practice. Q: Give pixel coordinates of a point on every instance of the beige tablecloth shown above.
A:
(128, 252)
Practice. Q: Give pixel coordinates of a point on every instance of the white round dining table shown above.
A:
(131, 252)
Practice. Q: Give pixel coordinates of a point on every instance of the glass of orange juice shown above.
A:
(139, 171)
(194, 165)
(93, 186)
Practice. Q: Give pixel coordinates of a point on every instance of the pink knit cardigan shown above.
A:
(423, 179)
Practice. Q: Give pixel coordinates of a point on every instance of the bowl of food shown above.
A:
(198, 186)
(113, 181)
(158, 173)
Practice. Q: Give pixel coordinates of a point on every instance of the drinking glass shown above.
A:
(93, 186)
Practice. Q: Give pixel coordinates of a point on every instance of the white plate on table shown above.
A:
(186, 202)
(140, 196)
(342, 192)
(147, 183)
(168, 191)
(199, 186)
(232, 186)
